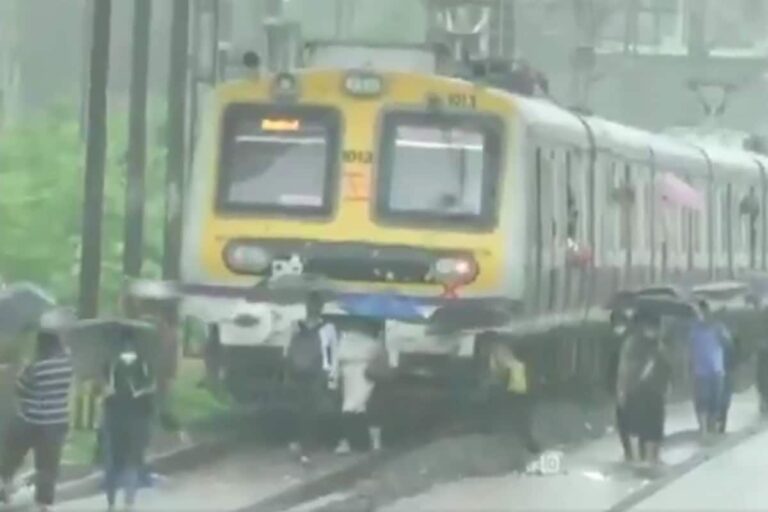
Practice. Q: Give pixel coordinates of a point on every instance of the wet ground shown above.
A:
(591, 477)
(477, 471)
(733, 481)
(245, 477)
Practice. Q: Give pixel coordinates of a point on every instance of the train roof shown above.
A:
(668, 152)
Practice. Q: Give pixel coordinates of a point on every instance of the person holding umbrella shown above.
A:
(128, 408)
(708, 340)
(43, 393)
(643, 380)
(620, 330)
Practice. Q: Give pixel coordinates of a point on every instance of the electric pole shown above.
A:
(177, 102)
(133, 247)
(93, 207)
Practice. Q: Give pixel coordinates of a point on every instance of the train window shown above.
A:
(749, 209)
(623, 182)
(696, 231)
(572, 209)
(439, 169)
(725, 220)
(278, 159)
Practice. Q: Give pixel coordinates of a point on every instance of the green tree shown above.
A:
(41, 176)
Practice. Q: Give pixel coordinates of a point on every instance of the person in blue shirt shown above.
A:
(708, 340)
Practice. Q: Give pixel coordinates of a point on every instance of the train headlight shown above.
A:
(285, 86)
(455, 271)
(364, 84)
(247, 259)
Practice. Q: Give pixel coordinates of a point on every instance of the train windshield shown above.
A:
(440, 169)
(280, 160)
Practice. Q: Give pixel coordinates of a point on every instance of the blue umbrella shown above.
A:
(383, 306)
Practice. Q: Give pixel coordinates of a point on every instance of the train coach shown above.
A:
(469, 215)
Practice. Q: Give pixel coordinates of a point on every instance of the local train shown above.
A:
(466, 214)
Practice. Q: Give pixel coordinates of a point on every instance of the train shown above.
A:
(470, 215)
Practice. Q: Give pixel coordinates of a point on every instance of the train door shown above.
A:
(623, 181)
(721, 225)
(639, 258)
(610, 262)
(564, 222)
(576, 222)
(541, 181)
(544, 292)
(698, 232)
(747, 224)
(673, 228)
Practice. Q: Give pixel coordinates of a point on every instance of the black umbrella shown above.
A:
(624, 299)
(94, 343)
(21, 307)
(725, 290)
(663, 307)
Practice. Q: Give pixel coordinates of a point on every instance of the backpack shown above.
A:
(305, 351)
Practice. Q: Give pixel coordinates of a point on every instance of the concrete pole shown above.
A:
(133, 247)
(93, 208)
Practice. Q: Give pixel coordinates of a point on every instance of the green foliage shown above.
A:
(41, 192)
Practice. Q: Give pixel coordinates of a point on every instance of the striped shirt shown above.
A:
(43, 391)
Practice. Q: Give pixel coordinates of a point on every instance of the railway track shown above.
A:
(258, 472)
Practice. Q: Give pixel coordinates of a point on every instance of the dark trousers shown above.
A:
(516, 412)
(313, 403)
(725, 405)
(354, 428)
(625, 434)
(46, 441)
(124, 443)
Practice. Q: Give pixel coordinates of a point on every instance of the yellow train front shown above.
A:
(398, 187)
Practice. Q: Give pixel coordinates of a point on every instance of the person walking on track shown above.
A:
(707, 343)
(125, 431)
(313, 371)
(43, 392)
(363, 366)
(511, 396)
(643, 380)
(620, 328)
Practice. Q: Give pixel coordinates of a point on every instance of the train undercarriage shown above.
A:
(566, 361)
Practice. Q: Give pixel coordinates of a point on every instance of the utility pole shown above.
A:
(204, 61)
(10, 65)
(133, 236)
(177, 102)
(93, 208)
(87, 7)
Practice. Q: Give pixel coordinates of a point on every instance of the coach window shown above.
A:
(725, 220)
(626, 212)
(611, 221)
(750, 212)
(572, 209)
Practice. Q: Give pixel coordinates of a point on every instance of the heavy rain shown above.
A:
(383, 255)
